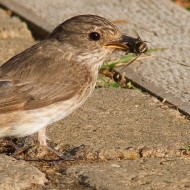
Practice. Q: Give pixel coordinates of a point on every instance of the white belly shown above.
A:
(24, 123)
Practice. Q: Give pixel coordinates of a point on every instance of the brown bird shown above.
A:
(49, 80)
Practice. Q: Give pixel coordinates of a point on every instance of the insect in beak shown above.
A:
(130, 44)
(135, 45)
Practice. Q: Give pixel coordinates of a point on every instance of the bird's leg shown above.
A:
(13, 144)
(42, 138)
(20, 149)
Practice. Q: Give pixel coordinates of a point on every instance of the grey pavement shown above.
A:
(133, 175)
(18, 174)
(166, 73)
(126, 139)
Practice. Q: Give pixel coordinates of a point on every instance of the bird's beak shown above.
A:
(117, 45)
(129, 45)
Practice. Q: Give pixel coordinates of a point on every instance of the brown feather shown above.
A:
(39, 77)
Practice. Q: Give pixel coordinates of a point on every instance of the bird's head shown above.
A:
(94, 36)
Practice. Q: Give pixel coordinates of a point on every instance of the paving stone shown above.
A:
(18, 174)
(157, 174)
(14, 36)
(121, 123)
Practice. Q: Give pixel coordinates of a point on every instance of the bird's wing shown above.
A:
(39, 76)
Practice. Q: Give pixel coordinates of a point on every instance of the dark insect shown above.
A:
(135, 45)
(129, 45)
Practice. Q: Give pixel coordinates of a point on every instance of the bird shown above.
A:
(48, 81)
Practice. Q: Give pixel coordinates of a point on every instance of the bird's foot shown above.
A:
(62, 156)
(42, 138)
(20, 145)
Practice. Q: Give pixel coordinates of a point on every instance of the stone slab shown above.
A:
(14, 36)
(18, 174)
(144, 174)
(122, 124)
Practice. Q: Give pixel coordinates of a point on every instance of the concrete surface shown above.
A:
(137, 174)
(14, 36)
(162, 23)
(125, 139)
(122, 123)
(18, 174)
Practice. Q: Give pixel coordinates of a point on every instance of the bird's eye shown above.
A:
(95, 36)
